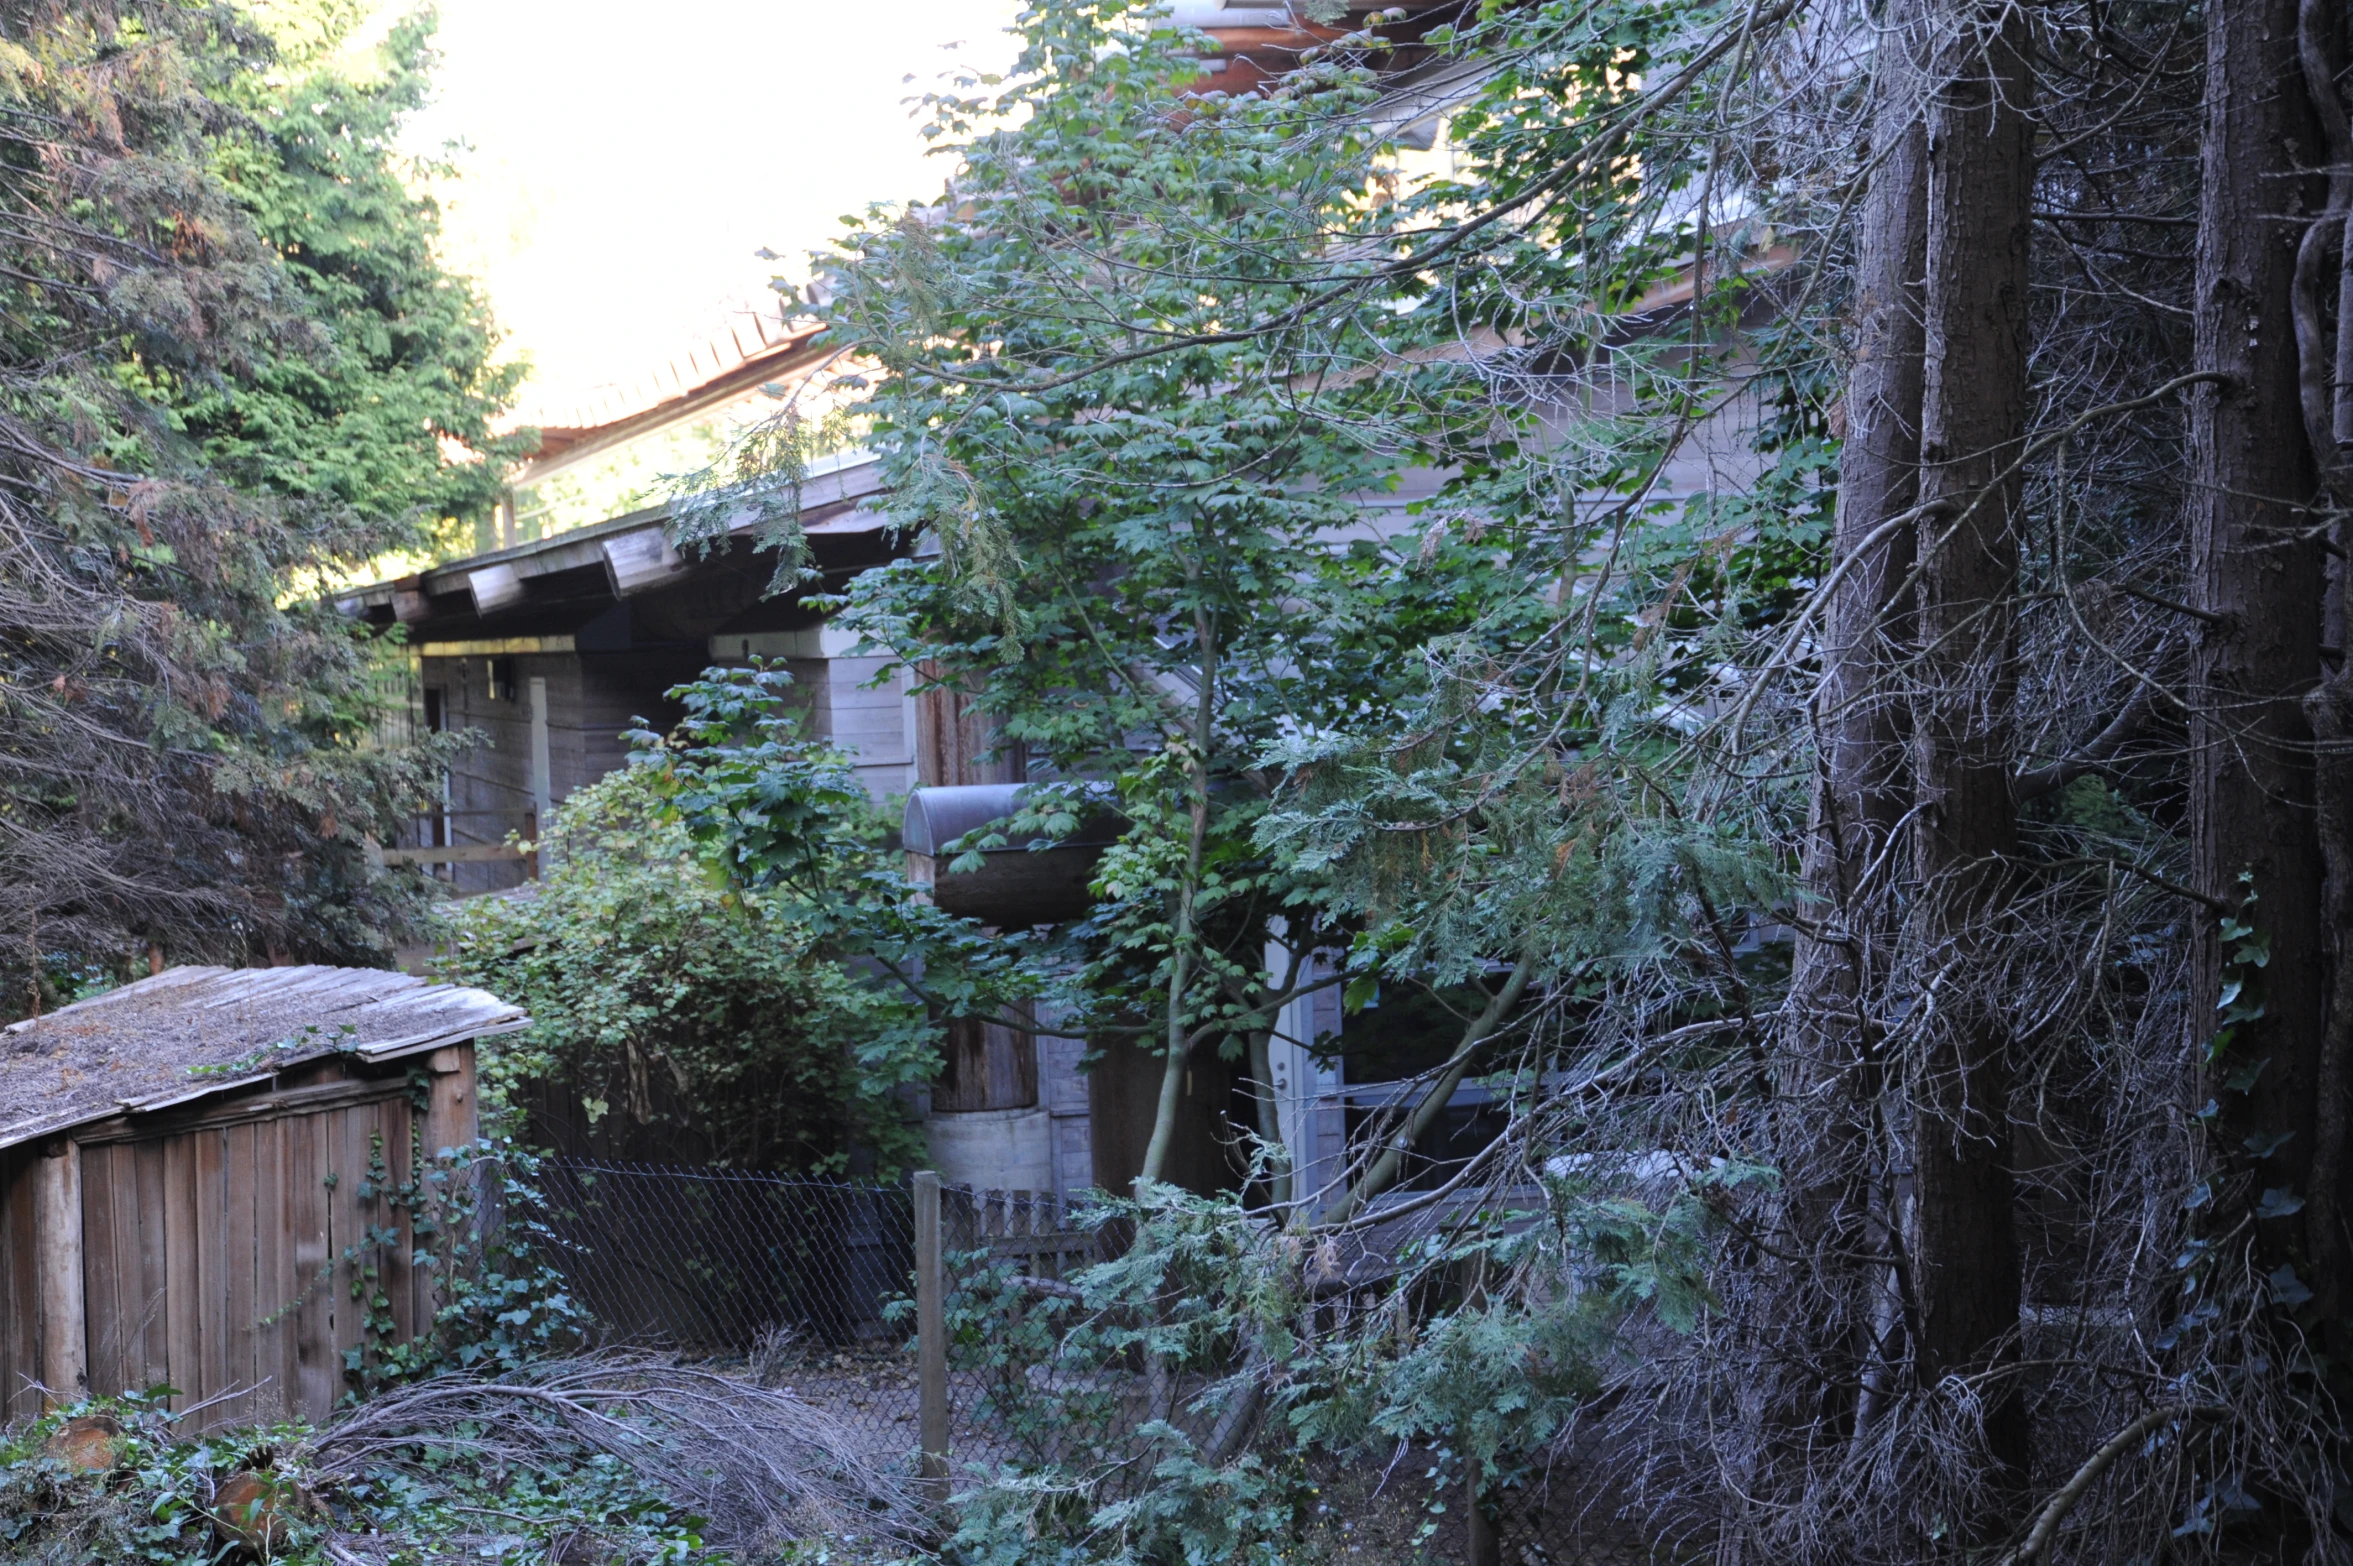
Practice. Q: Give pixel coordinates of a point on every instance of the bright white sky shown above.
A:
(627, 159)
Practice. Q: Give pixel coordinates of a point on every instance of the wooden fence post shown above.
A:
(931, 1340)
(1481, 1546)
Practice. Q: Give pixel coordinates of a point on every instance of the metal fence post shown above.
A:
(931, 1336)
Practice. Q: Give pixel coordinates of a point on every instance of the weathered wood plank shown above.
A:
(270, 1106)
(149, 1360)
(450, 1119)
(399, 1281)
(449, 1127)
(348, 1224)
(312, 1237)
(102, 1288)
(241, 1226)
(183, 1311)
(275, 1283)
(65, 1364)
(469, 854)
(209, 1150)
(18, 1288)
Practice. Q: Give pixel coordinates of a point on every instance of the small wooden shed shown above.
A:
(185, 1180)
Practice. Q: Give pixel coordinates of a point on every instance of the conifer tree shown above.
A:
(190, 337)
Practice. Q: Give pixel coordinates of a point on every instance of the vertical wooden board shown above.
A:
(240, 1240)
(183, 1312)
(20, 1343)
(449, 1126)
(450, 1122)
(144, 1329)
(348, 1156)
(13, 1316)
(347, 1142)
(399, 1283)
(277, 1284)
(311, 1235)
(101, 1299)
(209, 1150)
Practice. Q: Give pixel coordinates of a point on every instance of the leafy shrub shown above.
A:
(1180, 1401)
(676, 1016)
(478, 1224)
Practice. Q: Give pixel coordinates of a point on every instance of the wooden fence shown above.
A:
(1034, 1230)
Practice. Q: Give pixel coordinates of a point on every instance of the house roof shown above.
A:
(1259, 43)
(189, 1033)
(607, 561)
(792, 350)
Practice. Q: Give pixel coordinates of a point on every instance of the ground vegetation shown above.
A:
(578, 1459)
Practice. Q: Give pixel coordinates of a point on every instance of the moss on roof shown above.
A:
(188, 1032)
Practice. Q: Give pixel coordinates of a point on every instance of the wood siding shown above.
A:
(592, 700)
(235, 1252)
(20, 1320)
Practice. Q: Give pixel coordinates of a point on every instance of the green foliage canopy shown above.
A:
(227, 359)
(359, 421)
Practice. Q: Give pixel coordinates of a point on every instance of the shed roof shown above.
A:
(188, 1033)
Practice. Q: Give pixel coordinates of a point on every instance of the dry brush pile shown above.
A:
(596, 1459)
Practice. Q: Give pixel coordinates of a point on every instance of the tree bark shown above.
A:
(1181, 933)
(1861, 781)
(2324, 270)
(2253, 828)
(1963, 1242)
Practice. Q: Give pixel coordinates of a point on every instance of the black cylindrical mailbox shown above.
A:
(1017, 885)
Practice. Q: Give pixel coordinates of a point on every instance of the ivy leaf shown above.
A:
(2286, 1287)
(2278, 1203)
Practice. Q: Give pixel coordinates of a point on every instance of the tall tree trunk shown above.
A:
(1963, 1240)
(1861, 781)
(2253, 829)
(2324, 271)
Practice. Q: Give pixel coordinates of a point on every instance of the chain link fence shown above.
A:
(811, 1285)
(720, 1261)
(808, 1283)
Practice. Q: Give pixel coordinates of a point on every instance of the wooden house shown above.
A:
(549, 650)
(194, 1169)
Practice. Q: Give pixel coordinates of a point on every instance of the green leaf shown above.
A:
(2278, 1203)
